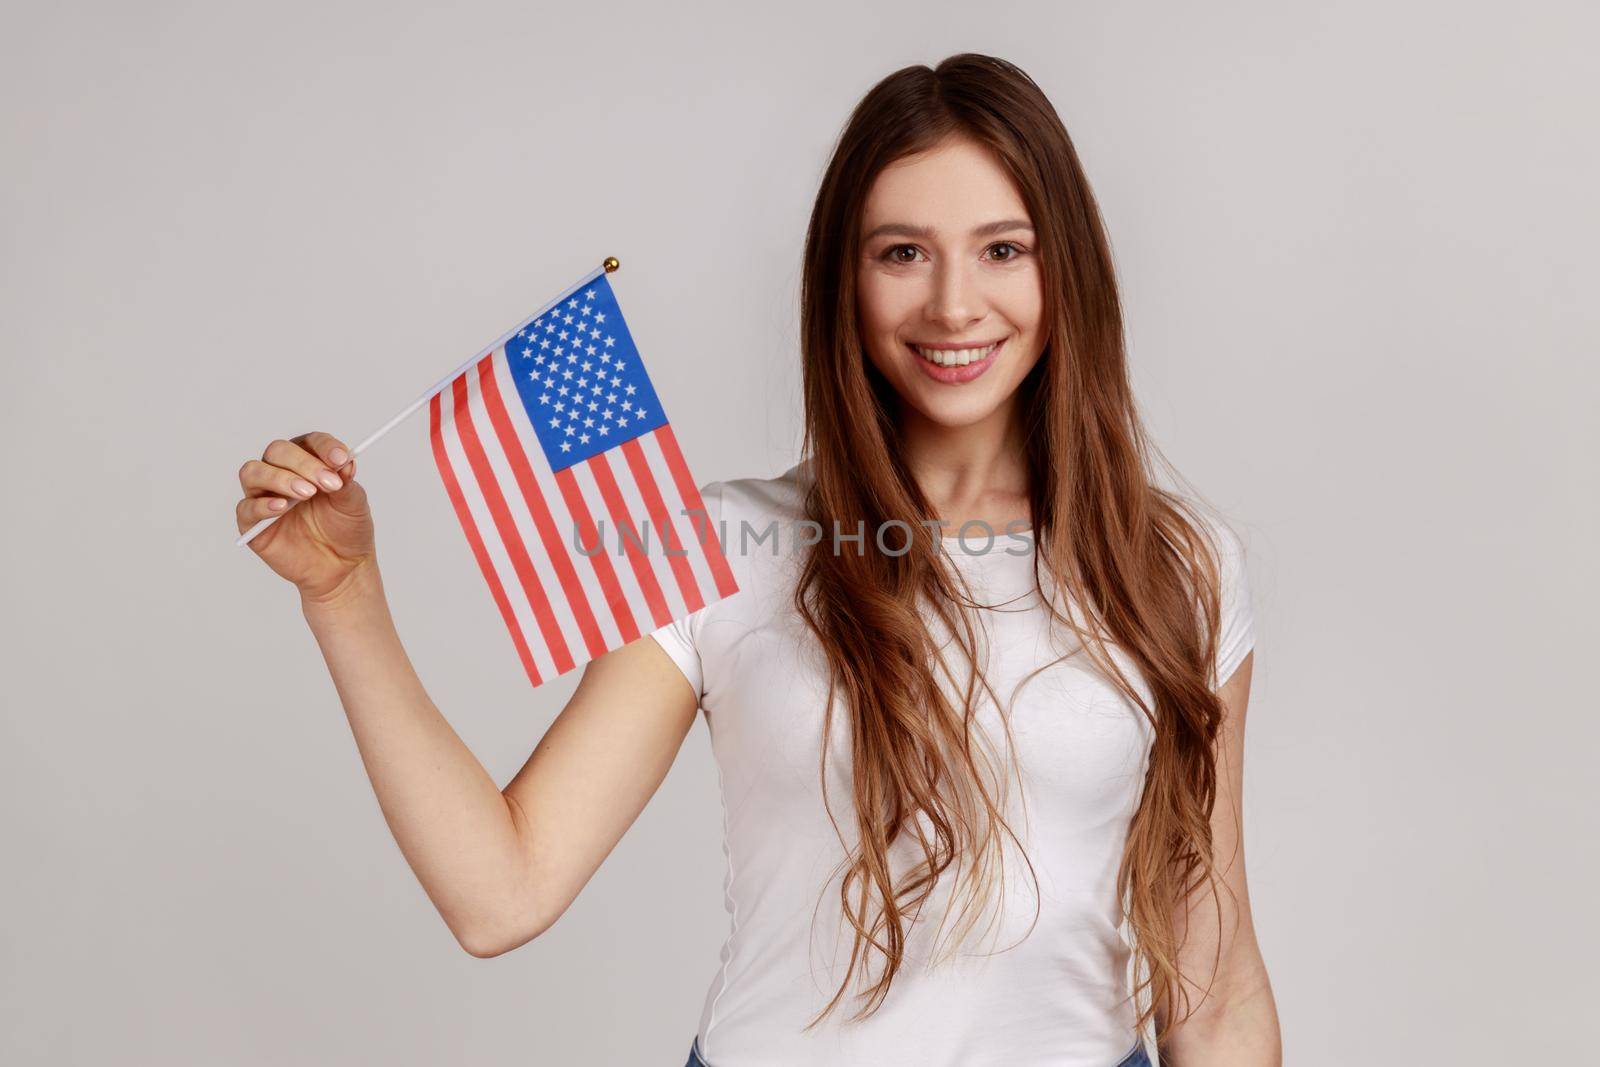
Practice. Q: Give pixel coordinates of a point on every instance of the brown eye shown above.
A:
(891, 254)
(1016, 250)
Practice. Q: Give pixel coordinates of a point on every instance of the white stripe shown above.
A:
(655, 547)
(593, 595)
(521, 607)
(689, 537)
(566, 522)
(632, 591)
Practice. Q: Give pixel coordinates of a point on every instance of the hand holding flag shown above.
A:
(559, 461)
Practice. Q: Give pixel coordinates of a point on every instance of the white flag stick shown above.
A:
(610, 264)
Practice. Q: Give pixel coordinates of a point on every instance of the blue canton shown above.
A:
(580, 377)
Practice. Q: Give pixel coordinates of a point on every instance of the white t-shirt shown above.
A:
(1061, 995)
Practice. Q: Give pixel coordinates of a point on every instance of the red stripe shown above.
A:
(677, 557)
(618, 509)
(616, 599)
(452, 489)
(507, 527)
(690, 495)
(555, 548)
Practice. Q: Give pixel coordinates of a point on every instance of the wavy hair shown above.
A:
(1120, 562)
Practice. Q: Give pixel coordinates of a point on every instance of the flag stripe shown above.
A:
(499, 553)
(678, 513)
(593, 588)
(705, 532)
(628, 533)
(563, 611)
(672, 547)
(555, 549)
(452, 489)
(593, 540)
(510, 536)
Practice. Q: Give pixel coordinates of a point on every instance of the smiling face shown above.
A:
(950, 295)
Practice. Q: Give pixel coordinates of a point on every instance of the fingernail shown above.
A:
(303, 487)
(329, 479)
(277, 503)
(338, 457)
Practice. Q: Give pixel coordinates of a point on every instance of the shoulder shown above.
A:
(1225, 569)
(780, 497)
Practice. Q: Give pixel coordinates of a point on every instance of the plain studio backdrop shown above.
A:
(1357, 246)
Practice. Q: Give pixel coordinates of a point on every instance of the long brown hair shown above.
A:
(1129, 559)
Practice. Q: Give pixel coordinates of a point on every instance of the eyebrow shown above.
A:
(925, 232)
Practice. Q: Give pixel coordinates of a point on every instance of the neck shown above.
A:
(977, 471)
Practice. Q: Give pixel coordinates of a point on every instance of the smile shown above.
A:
(953, 366)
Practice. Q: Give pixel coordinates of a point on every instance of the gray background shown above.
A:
(1357, 245)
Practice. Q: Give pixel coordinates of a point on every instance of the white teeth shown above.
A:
(953, 357)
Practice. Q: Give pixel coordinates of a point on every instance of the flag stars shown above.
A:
(588, 294)
(566, 374)
(555, 423)
(566, 446)
(562, 390)
(544, 398)
(599, 316)
(631, 388)
(611, 342)
(583, 438)
(526, 352)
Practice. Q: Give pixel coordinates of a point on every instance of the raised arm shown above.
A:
(500, 866)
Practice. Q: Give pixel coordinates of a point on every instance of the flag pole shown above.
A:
(608, 266)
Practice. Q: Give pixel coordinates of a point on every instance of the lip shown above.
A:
(956, 375)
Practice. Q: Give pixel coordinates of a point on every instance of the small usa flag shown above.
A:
(571, 488)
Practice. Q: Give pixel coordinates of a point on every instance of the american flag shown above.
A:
(571, 488)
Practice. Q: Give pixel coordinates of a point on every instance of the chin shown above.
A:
(956, 416)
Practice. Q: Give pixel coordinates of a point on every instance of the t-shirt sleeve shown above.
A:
(1236, 635)
(680, 638)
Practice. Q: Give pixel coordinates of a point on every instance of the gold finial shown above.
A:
(611, 264)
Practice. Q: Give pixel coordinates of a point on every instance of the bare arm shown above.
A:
(1236, 1025)
(501, 866)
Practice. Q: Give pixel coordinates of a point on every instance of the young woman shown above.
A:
(978, 707)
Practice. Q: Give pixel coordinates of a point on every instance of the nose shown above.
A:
(956, 301)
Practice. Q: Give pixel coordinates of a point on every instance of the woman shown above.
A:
(978, 707)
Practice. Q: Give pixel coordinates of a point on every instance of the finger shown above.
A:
(253, 509)
(292, 456)
(326, 447)
(259, 478)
